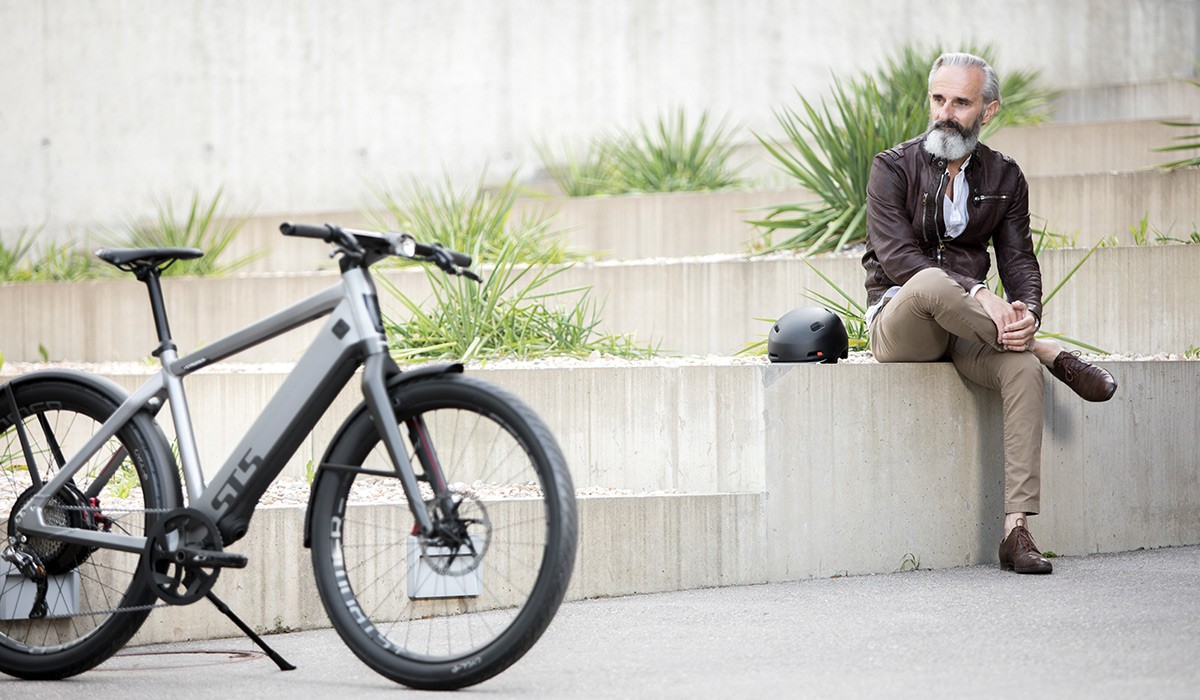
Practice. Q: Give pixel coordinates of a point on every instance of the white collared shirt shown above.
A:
(954, 211)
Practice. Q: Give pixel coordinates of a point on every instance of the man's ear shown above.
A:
(990, 110)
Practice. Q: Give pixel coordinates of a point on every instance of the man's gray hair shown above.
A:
(991, 84)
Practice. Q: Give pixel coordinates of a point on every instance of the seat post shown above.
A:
(150, 275)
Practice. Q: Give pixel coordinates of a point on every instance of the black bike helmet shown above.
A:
(808, 334)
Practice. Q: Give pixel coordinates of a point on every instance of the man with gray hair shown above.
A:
(934, 204)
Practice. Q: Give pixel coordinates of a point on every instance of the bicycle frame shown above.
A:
(352, 335)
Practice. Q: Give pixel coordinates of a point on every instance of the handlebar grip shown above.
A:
(306, 231)
(459, 259)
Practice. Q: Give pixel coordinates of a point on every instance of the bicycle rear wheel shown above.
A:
(94, 599)
(426, 613)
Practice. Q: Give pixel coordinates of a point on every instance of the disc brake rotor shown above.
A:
(461, 539)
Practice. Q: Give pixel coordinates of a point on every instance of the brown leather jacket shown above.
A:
(906, 231)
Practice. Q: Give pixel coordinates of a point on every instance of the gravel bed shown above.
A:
(289, 491)
(596, 360)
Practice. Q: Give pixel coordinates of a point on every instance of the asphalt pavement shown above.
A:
(1102, 626)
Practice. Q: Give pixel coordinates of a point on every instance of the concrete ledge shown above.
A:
(627, 545)
(798, 471)
(1128, 299)
(617, 227)
(1149, 99)
(1089, 206)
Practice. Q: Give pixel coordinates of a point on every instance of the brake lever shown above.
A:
(441, 257)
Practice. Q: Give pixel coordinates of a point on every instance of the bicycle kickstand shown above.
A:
(279, 660)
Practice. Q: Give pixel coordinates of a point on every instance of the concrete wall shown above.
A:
(834, 469)
(291, 106)
(1136, 299)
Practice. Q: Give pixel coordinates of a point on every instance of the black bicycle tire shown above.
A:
(112, 634)
(554, 572)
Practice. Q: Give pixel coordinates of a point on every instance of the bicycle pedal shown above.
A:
(214, 559)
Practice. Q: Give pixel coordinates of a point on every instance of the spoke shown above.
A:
(55, 448)
(19, 426)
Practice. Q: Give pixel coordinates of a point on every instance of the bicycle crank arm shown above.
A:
(207, 558)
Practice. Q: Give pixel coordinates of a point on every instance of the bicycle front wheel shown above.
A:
(434, 613)
(91, 600)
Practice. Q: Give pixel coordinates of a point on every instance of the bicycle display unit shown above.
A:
(441, 520)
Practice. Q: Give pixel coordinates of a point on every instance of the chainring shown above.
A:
(173, 580)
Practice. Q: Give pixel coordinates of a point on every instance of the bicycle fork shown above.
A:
(379, 404)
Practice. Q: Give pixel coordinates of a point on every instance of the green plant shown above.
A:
(473, 220)
(670, 155)
(910, 562)
(673, 156)
(1143, 233)
(22, 261)
(310, 472)
(1192, 352)
(43, 353)
(829, 150)
(123, 481)
(1049, 554)
(1187, 142)
(508, 315)
(14, 264)
(578, 175)
(205, 226)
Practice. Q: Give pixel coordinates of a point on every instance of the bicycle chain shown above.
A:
(114, 611)
(102, 509)
(96, 613)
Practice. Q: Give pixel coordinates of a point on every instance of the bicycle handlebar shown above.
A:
(401, 245)
(287, 228)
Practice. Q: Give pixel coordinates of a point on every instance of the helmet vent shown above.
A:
(816, 326)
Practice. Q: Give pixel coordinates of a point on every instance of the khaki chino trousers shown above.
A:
(932, 318)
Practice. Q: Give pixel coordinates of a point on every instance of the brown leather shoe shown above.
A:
(1089, 381)
(1018, 553)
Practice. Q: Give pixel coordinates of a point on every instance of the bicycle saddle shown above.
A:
(131, 258)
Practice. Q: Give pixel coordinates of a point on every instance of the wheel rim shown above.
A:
(92, 589)
(439, 612)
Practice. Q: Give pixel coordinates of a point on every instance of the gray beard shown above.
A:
(950, 145)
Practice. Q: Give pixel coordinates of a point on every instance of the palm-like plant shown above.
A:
(829, 149)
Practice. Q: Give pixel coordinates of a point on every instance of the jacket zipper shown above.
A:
(938, 200)
(989, 197)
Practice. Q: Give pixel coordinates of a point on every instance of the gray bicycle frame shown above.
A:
(352, 335)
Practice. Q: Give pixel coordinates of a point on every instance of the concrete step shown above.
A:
(1059, 148)
(1134, 299)
(776, 472)
(1144, 99)
(1090, 207)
